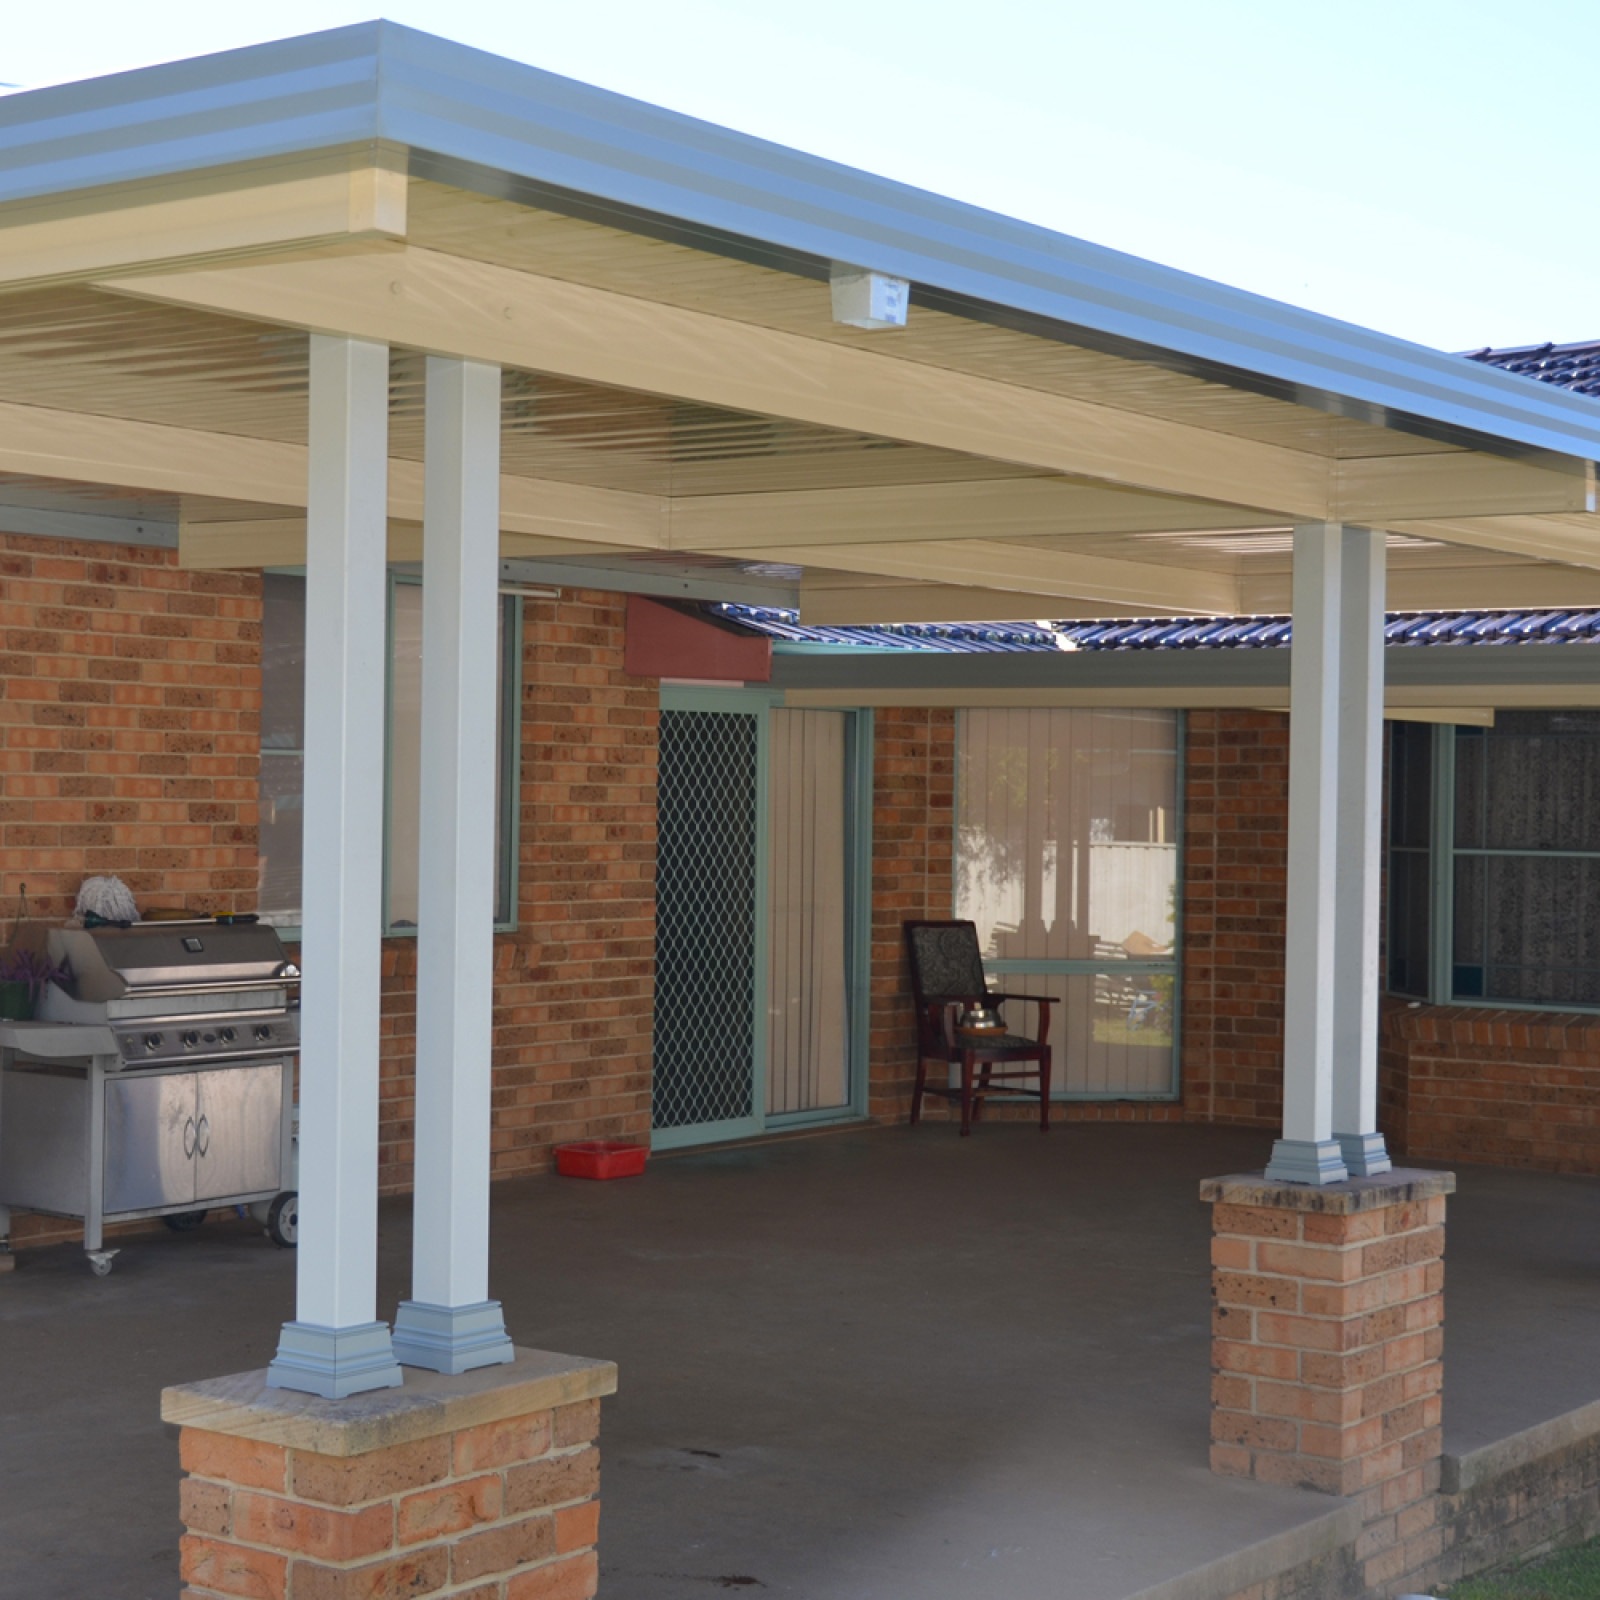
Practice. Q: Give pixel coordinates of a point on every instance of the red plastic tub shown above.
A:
(601, 1158)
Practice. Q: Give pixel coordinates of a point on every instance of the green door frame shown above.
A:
(759, 704)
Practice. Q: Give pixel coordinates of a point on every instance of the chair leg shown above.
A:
(1044, 1090)
(980, 1091)
(917, 1089)
(966, 1093)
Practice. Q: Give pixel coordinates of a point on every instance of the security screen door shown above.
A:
(755, 948)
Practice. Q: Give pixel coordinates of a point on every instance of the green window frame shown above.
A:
(282, 749)
(1494, 862)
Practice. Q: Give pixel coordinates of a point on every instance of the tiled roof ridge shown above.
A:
(1567, 366)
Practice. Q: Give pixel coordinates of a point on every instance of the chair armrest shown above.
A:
(1043, 1001)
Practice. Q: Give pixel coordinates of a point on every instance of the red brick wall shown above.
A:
(1236, 808)
(1510, 1088)
(574, 985)
(130, 699)
(913, 844)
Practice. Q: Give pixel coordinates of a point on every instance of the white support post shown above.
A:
(335, 1347)
(450, 1324)
(1308, 1152)
(1360, 829)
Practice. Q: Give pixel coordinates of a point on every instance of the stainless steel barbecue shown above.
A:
(178, 991)
(156, 1080)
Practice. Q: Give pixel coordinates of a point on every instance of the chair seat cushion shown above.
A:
(1013, 1044)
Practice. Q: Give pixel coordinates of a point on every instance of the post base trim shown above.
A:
(1306, 1161)
(334, 1362)
(1365, 1154)
(451, 1339)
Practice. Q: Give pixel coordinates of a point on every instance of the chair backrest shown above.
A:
(946, 961)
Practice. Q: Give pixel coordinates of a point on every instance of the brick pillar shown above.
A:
(479, 1487)
(1325, 1354)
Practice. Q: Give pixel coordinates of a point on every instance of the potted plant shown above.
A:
(23, 974)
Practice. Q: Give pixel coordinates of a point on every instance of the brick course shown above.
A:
(265, 1522)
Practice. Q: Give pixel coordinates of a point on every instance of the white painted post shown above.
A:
(1360, 831)
(1307, 1152)
(335, 1347)
(450, 1324)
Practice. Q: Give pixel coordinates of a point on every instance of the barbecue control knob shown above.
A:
(190, 1040)
(263, 1032)
(225, 1035)
(152, 1041)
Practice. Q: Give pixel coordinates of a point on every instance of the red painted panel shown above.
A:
(665, 642)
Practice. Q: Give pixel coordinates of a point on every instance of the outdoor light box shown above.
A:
(863, 299)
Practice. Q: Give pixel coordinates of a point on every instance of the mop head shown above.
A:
(110, 898)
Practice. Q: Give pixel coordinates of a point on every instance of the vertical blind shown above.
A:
(807, 999)
(1067, 860)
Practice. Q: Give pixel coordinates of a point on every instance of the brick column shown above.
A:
(1326, 1343)
(478, 1487)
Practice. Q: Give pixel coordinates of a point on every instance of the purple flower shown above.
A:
(32, 967)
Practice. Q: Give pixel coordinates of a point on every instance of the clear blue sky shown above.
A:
(1421, 166)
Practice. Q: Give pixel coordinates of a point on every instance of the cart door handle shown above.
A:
(189, 1138)
(202, 1135)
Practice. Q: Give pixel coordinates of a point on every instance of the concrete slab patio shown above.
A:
(878, 1365)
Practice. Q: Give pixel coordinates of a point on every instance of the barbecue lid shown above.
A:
(109, 963)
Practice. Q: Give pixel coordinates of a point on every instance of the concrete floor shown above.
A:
(880, 1365)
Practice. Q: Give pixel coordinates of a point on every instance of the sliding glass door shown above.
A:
(761, 919)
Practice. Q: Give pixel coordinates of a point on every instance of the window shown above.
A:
(1494, 860)
(1067, 859)
(282, 782)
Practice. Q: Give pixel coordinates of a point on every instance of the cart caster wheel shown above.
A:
(184, 1221)
(100, 1262)
(283, 1220)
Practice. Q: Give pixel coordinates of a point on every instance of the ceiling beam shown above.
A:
(1378, 490)
(989, 508)
(426, 300)
(210, 216)
(1046, 575)
(451, 305)
(1573, 539)
(1536, 585)
(41, 442)
(281, 542)
(828, 603)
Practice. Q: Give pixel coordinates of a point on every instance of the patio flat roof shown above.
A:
(484, 123)
(1058, 420)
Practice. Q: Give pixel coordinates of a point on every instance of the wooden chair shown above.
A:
(946, 975)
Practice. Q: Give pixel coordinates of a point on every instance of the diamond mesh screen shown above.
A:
(705, 918)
